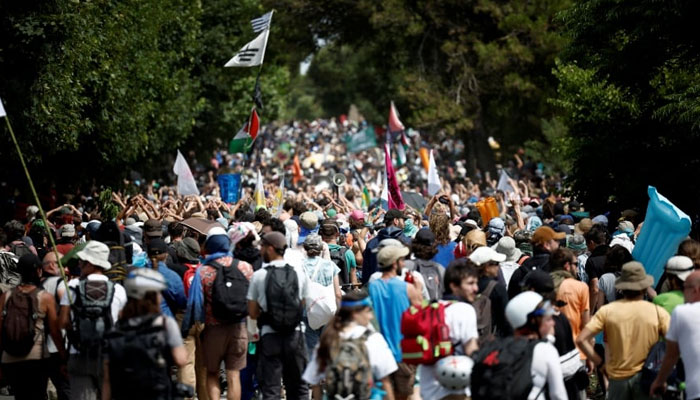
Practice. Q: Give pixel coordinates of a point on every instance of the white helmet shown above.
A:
(454, 372)
(520, 306)
(143, 280)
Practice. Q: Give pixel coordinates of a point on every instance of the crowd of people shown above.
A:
(327, 294)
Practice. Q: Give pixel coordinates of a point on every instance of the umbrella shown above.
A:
(200, 225)
(414, 200)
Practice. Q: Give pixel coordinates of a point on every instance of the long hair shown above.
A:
(440, 225)
(138, 307)
(691, 249)
(424, 251)
(331, 335)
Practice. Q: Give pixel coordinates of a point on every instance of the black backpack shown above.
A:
(92, 315)
(284, 308)
(19, 322)
(228, 294)
(502, 370)
(140, 358)
(430, 271)
(338, 257)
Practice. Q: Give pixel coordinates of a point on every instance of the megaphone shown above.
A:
(339, 179)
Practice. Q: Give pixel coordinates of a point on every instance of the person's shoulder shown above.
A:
(546, 349)
(459, 307)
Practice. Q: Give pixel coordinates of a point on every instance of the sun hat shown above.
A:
(681, 266)
(389, 254)
(633, 277)
(506, 246)
(188, 249)
(96, 253)
(485, 254)
(544, 234)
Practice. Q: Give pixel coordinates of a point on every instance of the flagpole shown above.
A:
(41, 209)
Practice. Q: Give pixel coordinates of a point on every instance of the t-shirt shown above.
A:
(576, 296)
(445, 253)
(416, 275)
(461, 319)
(606, 283)
(390, 300)
(320, 270)
(380, 358)
(631, 328)
(546, 370)
(670, 300)
(685, 322)
(207, 275)
(118, 300)
(256, 290)
(350, 261)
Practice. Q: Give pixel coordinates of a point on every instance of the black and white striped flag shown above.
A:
(261, 23)
(251, 54)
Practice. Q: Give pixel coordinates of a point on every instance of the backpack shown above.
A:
(19, 321)
(284, 310)
(92, 315)
(349, 374)
(338, 257)
(19, 248)
(482, 306)
(426, 336)
(502, 370)
(432, 277)
(140, 358)
(228, 293)
(188, 277)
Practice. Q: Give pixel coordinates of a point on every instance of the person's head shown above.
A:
(152, 229)
(394, 217)
(391, 258)
(273, 225)
(157, 251)
(143, 287)
(474, 239)
(50, 264)
(530, 315)
(423, 246)
(329, 232)
(355, 307)
(313, 245)
(596, 236)
(440, 225)
(217, 241)
(539, 282)
(546, 238)
(564, 259)
(188, 251)
(14, 230)
(356, 219)
(633, 280)
(272, 246)
(66, 232)
(691, 288)
(93, 258)
(615, 258)
(691, 249)
(495, 230)
(175, 230)
(487, 261)
(678, 269)
(308, 220)
(461, 279)
(29, 269)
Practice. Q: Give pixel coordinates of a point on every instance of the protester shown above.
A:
(677, 270)
(488, 262)
(341, 256)
(424, 248)
(544, 241)
(393, 220)
(173, 299)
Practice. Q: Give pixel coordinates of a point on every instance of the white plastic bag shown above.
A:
(320, 303)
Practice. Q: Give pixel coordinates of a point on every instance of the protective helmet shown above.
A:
(454, 372)
(143, 280)
(520, 307)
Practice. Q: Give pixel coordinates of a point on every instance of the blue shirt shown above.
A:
(445, 254)
(174, 294)
(390, 300)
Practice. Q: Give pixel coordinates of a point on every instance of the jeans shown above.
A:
(282, 357)
(313, 336)
(627, 389)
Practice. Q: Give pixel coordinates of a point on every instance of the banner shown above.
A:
(434, 184)
(362, 140)
(230, 187)
(186, 184)
(392, 184)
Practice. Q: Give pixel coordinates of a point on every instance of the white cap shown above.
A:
(143, 280)
(484, 254)
(520, 306)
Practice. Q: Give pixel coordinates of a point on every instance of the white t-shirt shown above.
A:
(417, 275)
(380, 357)
(546, 370)
(461, 319)
(508, 267)
(256, 290)
(118, 300)
(685, 330)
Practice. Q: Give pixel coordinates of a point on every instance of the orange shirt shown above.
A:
(575, 294)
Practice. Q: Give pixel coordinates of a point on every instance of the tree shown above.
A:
(628, 85)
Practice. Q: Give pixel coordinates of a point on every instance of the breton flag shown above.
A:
(261, 23)
(251, 54)
(186, 185)
(434, 185)
(243, 141)
(2, 110)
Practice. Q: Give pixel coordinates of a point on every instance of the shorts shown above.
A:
(226, 342)
(403, 379)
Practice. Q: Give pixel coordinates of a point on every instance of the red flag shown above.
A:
(394, 124)
(296, 170)
(253, 124)
(395, 198)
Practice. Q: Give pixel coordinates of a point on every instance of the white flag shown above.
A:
(186, 185)
(261, 23)
(434, 184)
(504, 184)
(2, 109)
(251, 54)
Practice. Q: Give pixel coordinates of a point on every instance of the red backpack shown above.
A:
(189, 276)
(426, 337)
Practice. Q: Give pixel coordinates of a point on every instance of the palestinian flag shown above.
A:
(244, 139)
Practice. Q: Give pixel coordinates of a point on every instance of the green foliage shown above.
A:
(108, 209)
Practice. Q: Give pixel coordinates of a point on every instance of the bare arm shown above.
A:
(386, 386)
(179, 355)
(54, 329)
(253, 309)
(336, 289)
(415, 294)
(106, 384)
(64, 318)
(471, 346)
(583, 341)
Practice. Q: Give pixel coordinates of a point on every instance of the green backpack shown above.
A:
(349, 374)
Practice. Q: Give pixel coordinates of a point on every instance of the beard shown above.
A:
(266, 257)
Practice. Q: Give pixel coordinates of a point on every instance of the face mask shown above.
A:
(409, 229)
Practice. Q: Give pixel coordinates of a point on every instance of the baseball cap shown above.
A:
(544, 234)
(274, 239)
(308, 220)
(152, 228)
(157, 247)
(484, 254)
(425, 237)
(357, 215)
(67, 230)
(389, 254)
